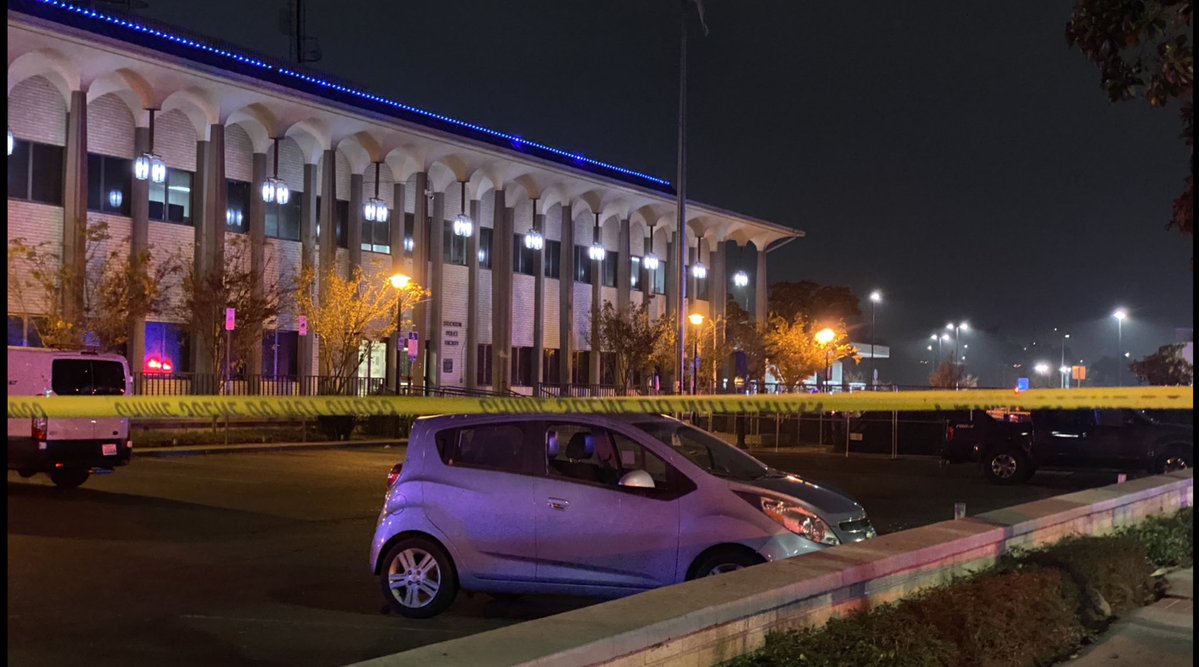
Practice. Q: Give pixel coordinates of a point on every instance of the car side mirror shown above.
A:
(637, 479)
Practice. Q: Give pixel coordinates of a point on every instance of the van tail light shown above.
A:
(949, 432)
(40, 425)
(394, 475)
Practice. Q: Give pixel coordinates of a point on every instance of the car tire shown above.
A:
(418, 578)
(722, 560)
(1174, 458)
(26, 474)
(1006, 465)
(69, 478)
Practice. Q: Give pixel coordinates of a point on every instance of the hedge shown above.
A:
(1033, 608)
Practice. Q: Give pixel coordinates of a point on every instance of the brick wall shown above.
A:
(37, 112)
(175, 140)
(35, 223)
(239, 154)
(109, 127)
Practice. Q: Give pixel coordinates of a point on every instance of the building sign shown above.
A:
(1022, 384)
(230, 319)
(302, 324)
(413, 345)
(451, 345)
(1078, 372)
(447, 366)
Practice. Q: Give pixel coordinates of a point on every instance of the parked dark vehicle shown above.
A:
(1010, 446)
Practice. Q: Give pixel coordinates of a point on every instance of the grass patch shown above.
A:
(1034, 608)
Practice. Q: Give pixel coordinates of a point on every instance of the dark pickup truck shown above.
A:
(1011, 446)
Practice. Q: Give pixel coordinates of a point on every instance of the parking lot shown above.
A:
(260, 558)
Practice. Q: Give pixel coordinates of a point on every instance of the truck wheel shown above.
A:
(1006, 466)
(26, 473)
(69, 478)
(1174, 458)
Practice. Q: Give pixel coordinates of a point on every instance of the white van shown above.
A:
(69, 450)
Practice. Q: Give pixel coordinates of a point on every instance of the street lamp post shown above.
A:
(957, 330)
(876, 297)
(697, 320)
(400, 282)
(1120, 316)
(824, 337)
(1065, 370)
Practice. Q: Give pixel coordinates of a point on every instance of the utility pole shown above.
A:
(680, 259)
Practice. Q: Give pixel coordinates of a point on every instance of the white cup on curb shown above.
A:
(1121, 478)
(959, 510)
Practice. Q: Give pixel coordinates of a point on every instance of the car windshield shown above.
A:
(705, 450)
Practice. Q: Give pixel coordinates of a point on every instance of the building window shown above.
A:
(659, 276)
(409, 230)
(485, 234)
(582, 267)
(553, 259)
(35, 172)
(167, 346)
(608, 368)
(376, 236)
(237, 206)
(701, 288)
(608, 267)
(483, 372)
(581, 367)
(524, 259)
(281, 354)
(108, 183)
(171, 200)
(453, 249)
(522, 366)
(23, 331)
(283, 221)
(550, 372)
(635, 273)
(341, 220)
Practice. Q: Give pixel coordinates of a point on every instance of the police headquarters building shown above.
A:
(504, 232)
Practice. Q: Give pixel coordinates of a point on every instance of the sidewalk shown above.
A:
(1160, 635)
(254, 447)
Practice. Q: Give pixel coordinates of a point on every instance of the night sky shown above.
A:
(956, 155)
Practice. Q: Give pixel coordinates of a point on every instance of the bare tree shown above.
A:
(117, 288)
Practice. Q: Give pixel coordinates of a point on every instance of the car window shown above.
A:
(1110, 418)
(704, 450)
(491, 446)
(1067, 420)
(597, 455)
(87, 377)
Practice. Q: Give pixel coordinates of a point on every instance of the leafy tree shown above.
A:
(117, 289)
(813, 301)
(951, 376)
(746, 336)
(204, 298)
(631, 335)
(1167, 366)
(351, 312)
(1143, 49)
(795, 355)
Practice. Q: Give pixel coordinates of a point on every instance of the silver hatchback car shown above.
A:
(586, 505)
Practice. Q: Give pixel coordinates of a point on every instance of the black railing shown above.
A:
(201, 384)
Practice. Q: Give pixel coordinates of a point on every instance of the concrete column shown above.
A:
(308, 260)
(395, 239)
(672, 275)
(208, 218)
(761, 286)
(328, 219)
(436, 286)
(624, 269)
(646, 278)
(257, 249)
(471, 353)
(718, 285)
(501, 294)
(692, 283)
(593, 359)
(566, 296)
(355, 222)
(139, 243)
(420, 271)
(538, 303)
(74, 198)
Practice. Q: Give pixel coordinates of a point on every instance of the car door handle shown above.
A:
(559, 504)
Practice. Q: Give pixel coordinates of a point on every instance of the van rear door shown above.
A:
(88, 377)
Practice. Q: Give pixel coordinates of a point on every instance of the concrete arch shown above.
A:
(357, 155)
(481, 182)
(554, 194)
(258, 123)
(404, 162)
(51, 66)
(128, 86)
(200, 106)
(312, 137)
(447, 169)
(592, 201)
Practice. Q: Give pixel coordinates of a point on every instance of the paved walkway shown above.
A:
(1160, 635)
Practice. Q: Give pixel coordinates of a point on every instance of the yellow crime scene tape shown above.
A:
(176, 407)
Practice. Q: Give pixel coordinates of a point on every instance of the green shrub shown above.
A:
(1115, 567)
(1168, 540)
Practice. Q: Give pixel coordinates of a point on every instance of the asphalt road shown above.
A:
(260, 559)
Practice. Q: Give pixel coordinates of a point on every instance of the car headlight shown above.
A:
(799, 521)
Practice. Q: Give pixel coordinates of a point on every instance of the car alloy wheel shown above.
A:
(414, 577)
(1004, 465)
(723, 568)
(1174, 463)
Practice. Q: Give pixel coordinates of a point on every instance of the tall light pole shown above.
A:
(876, 297)
(1065, 370)
(697, 320)
(825, 337)
(957, 330)
(400, 282)
(1120, 316)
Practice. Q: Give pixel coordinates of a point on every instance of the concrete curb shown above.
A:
(1161, 634)
(258, 448)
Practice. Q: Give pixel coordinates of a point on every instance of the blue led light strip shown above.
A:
(183, 41)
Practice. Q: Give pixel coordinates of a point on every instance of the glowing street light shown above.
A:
(876, 297)
(824, 337)
(1120, 315)
(696, 320)
(400, 282)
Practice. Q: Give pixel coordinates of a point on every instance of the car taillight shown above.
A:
(394, 475)
(949, 432)
(40, 425)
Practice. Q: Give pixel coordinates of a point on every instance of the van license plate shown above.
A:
(108, 450)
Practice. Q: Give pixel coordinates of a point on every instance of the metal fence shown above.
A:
(200, 384)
